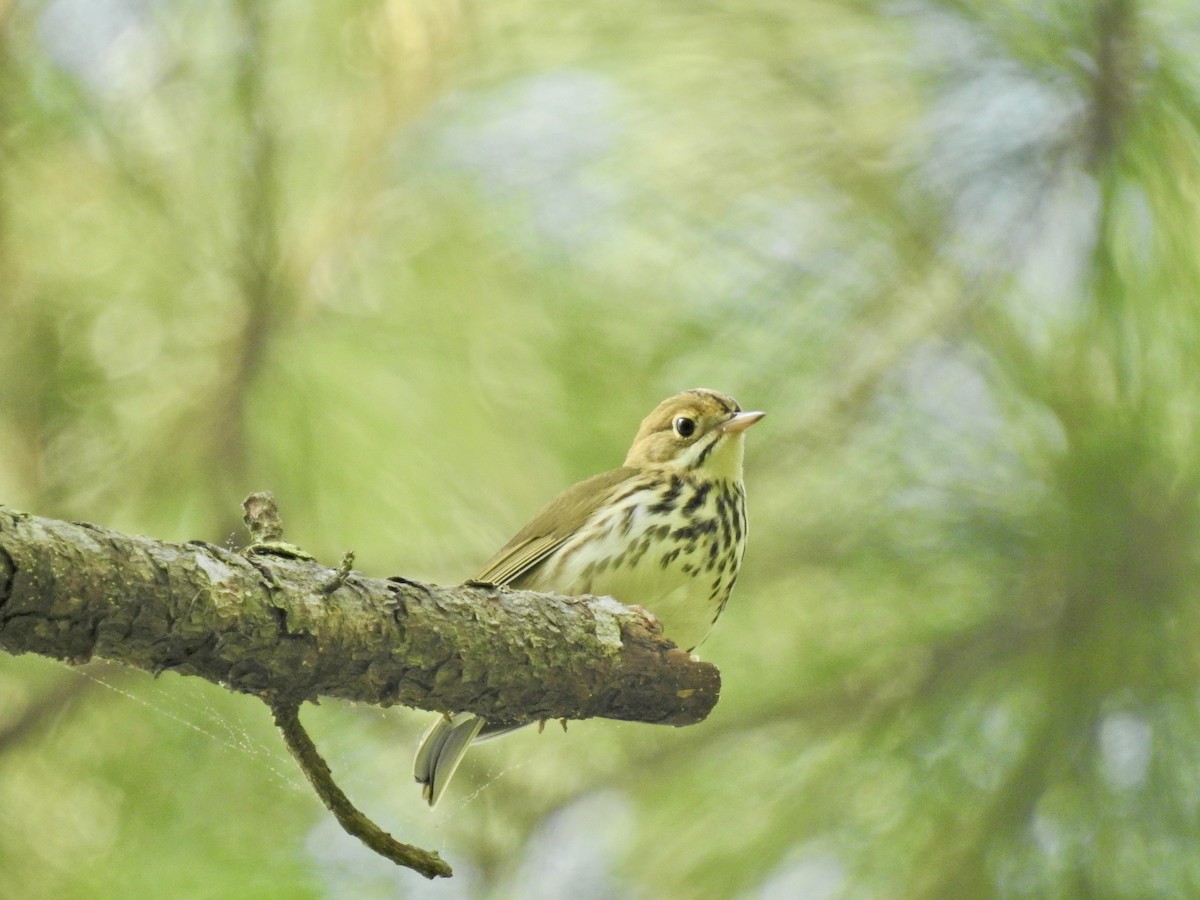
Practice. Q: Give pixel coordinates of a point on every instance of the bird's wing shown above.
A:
(517, 559)
(551, 527)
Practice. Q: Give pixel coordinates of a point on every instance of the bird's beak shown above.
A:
(741, 421)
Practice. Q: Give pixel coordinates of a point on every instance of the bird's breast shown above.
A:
(673, 545)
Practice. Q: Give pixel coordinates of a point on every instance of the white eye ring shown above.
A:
(684, 426)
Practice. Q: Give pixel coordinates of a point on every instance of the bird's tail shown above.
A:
(445, 744)
(441, 750)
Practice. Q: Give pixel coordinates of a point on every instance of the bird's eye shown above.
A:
(685, 427)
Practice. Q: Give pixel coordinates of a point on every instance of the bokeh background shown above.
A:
(416, 265)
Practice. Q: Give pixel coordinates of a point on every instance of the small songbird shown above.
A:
(666, 531)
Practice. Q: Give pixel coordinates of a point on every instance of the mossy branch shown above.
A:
(275, 623)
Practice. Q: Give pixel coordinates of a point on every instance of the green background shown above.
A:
(416, 265)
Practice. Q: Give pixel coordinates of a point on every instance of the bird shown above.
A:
(666, 531)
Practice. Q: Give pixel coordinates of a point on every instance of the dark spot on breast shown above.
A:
(713, 548)
(669, 498)
(698, 528)
(698, 498)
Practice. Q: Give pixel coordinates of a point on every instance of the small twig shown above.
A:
(342, 573)
(426, 862)
(261, 516)
(262, 519)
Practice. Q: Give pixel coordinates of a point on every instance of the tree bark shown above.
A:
(278, 625)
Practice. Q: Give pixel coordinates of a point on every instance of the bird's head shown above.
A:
(698, 431)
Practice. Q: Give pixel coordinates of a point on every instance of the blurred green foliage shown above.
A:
(415, 265)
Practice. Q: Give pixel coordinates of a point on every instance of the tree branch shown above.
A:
(277, 624)
(269, 624)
